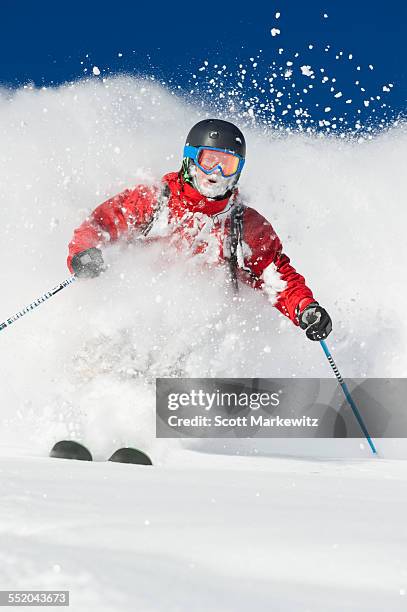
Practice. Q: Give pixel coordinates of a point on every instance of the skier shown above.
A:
(201, 211)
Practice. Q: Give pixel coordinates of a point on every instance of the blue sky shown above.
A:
(49, 43)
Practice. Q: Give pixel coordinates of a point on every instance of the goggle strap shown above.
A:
(191, 151)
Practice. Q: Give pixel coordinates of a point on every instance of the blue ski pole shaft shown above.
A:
(43, 298)
(348, 396)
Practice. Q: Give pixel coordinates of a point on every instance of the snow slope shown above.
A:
(207, 533)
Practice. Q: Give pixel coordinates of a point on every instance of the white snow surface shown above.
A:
(323, 531)
(207, 533)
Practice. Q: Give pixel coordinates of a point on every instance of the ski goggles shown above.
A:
(208, 159)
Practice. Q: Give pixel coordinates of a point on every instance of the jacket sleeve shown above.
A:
(271, 269)
(117, 217)
(292, 300)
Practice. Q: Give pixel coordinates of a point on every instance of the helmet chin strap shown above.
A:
(190, 177)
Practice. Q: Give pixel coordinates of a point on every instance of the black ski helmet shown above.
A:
(219, 134)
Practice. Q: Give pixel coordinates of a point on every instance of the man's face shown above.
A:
(211, 185)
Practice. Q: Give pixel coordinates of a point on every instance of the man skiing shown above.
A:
(199, 210)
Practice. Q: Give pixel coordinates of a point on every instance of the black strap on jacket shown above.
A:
(236, 237)
(161, 202)
(236, 241)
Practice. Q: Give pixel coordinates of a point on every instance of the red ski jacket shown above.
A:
(175, 211)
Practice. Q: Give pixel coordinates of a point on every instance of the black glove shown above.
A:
(88, 264)
(316, 321)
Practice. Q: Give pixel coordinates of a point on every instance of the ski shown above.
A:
(69, 449)
(131, 455)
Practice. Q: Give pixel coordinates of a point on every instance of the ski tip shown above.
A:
(68, 449)
(131, 455)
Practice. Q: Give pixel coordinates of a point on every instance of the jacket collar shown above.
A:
(191, 199)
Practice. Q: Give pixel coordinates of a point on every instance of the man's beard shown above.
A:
(211, 185)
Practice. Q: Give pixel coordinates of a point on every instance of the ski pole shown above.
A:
(37, 302)
(348, 396)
